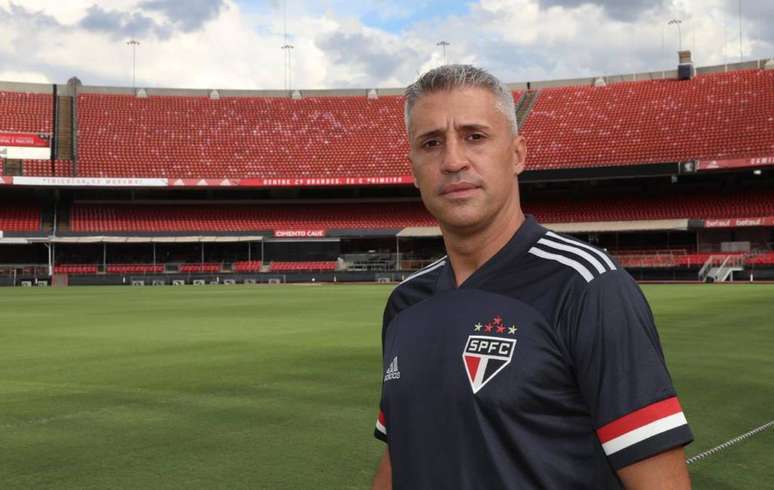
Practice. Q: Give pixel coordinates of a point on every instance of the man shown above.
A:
(524, 358)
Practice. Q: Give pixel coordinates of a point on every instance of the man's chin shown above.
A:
(459, 220)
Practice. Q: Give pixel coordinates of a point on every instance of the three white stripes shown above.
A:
(592, 256)
(577, 243)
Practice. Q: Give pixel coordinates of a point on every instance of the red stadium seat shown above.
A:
(633, 208)
(279, 266)
(75, 269)
(766, 258)
(20, 218)
(240, 137)
(206, 267)
(134, 268)
(26, 112)
(128, 218)
(713, 116)
(247, 266)
(242, 218)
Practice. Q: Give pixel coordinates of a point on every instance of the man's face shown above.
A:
(464, 157)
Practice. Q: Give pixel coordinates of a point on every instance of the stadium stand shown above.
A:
(761, 259)
(25, 112)
(693, 260)
(713, 116)
(247, 266)
(673, 206)
(134, 268)
(162, 218)
(651, 258)
(201, 267)
(179, 136)
(43, 168)
(242, 218)
(20, 218)
(241, 137)
(670, 258)
(277, 266)
(75, 269)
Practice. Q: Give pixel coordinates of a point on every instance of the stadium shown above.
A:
(667, 171)
(205, 207)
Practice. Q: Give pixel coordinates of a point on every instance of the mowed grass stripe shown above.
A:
(277, 387)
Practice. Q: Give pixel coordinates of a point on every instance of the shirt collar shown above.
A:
(521, 241)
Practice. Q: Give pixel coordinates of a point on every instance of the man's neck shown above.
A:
(468, 252)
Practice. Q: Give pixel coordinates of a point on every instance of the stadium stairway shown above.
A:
(524, 106)
(64, 128)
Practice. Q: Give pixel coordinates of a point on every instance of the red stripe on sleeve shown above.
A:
(638, 418)
(381, 418)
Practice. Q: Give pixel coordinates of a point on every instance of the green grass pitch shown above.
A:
(277, 387)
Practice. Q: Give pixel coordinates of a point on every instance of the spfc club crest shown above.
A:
(486, 355)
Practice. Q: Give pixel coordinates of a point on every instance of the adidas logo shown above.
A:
(392, 370)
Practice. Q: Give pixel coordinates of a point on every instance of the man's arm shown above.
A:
(383, 478)
(664, 471)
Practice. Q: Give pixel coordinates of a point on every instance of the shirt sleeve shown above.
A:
(621, 371)
(380, 430)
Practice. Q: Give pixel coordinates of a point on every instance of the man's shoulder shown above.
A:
(416, 287)
(569, 259)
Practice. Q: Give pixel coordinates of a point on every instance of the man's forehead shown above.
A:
(466, 106)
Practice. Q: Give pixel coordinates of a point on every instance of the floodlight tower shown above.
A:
(443, 45)
(677, 23)
(741, 57)
(133, 43)
(287, 48)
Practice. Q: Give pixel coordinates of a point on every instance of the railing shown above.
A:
(383, 262)
(720, 267)
(707, 267)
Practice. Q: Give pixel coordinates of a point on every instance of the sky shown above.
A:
(237, 44)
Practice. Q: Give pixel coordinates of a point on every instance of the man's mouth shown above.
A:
(458, 189)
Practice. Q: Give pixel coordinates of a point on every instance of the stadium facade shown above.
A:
(671, 171)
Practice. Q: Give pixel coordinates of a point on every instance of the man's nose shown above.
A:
(454, 158)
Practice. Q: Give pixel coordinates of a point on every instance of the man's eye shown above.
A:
(476, 136)
(430, 143)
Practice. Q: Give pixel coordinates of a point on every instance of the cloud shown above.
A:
(123, 24)
(623, 10)
(757, 16)
(228, 44)
(24, 76)
(13, 14)
(377, 56)
(190, 15)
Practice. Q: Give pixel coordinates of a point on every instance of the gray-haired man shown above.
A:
(524, 358)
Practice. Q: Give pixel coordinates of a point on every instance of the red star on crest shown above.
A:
(501, 329)
(498, 320)
(488, 327)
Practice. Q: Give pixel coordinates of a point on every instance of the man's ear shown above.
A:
(519, 154)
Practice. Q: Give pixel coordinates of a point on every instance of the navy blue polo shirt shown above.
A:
(542, 370)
